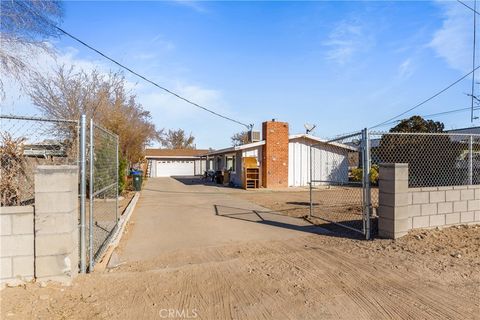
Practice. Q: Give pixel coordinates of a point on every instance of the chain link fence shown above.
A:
(103, 189)
(338, 193)
(27, 142)
(434, 159)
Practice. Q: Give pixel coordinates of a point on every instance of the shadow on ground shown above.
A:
(303, 224)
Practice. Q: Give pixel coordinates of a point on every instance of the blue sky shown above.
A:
(340, 65)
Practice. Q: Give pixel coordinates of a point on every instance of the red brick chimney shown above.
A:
(275, 154)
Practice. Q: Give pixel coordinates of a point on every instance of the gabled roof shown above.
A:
(320, 140)
(290, 137)
(236, 148)
(159, 153)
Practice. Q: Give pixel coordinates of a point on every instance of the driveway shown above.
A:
(172, 215)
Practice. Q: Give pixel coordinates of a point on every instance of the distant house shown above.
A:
(283, 159)
(174, 162)
(470, 130)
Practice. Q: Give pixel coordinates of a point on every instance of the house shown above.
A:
(174, 162)
(283, 159)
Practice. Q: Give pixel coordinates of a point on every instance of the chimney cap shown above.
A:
(273, 119)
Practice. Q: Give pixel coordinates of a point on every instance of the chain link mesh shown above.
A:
(336, 177)
(434, 159)
(27, 142)
(103, 188)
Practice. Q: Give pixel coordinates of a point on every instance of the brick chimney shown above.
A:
(275, 154)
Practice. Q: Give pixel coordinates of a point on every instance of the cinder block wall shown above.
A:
(56, 223)
(41, 241)
(275, 154)
(16, 245)
(402, 209)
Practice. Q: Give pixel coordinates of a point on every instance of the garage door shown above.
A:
(168, 168)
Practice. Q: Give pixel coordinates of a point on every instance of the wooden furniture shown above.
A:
(251, 173)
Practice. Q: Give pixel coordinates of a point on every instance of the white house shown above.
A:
(330, 160)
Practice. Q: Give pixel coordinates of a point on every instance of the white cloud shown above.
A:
(347, 39)
(406, 69)
(192, 4)
(453, 41)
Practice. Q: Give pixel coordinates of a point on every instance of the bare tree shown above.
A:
(239, 138)
(177, 139)
(24, 27)
(66, 94)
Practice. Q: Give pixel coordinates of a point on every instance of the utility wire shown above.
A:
(438, 114)
(248, 126)
(426, 100)
(466, 5)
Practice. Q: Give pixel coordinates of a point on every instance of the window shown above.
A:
(230, 161)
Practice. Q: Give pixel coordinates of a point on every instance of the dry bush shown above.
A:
(13, 165)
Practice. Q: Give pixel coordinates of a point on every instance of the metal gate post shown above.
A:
(470, 161)
(311, 185)
(116, 178)
(91, 185)
(83, 253)
(366, 182)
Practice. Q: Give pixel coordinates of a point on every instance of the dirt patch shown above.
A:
(340, 204)
(427, 274)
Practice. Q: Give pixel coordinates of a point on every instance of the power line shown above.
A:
(248, 126)
(466, 5)
(438, 114)
(426, 100)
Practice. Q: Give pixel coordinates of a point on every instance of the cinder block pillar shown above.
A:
(56, 223)
(393, 216)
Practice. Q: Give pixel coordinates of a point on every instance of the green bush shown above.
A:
(122, 171)
(357, 174)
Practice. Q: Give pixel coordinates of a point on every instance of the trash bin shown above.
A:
(137, 178)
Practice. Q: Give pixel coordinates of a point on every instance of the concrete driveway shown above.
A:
(172, 215)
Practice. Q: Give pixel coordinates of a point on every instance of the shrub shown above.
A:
(357, 174)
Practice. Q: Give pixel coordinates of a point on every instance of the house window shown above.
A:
(230, 161)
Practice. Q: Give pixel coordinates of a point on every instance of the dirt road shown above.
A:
(427, 275)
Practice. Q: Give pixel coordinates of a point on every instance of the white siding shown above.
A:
(330, 163)
(200, 167)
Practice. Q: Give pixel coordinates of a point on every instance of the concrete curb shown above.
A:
(117, 236)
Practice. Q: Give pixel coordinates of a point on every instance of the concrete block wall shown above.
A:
(275, 154)
(16, 244)
(41, 241)
(402, 209)
(56, 223)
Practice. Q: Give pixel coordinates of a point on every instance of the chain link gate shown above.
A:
(340, 190)
(102, 184)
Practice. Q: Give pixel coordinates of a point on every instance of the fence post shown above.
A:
(83, 253)
(366, 182)
(311, 185)
(91, 185)
(117, 176)
(470, 161)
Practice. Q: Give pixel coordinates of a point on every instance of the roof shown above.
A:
(236, 148)
(171, 153)
(471, 130)
(320, 140)
(290, 137)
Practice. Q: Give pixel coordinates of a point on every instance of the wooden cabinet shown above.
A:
(251, 179)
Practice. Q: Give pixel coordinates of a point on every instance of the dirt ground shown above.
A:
(338, 204)
(425, 275)
(432, 274)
